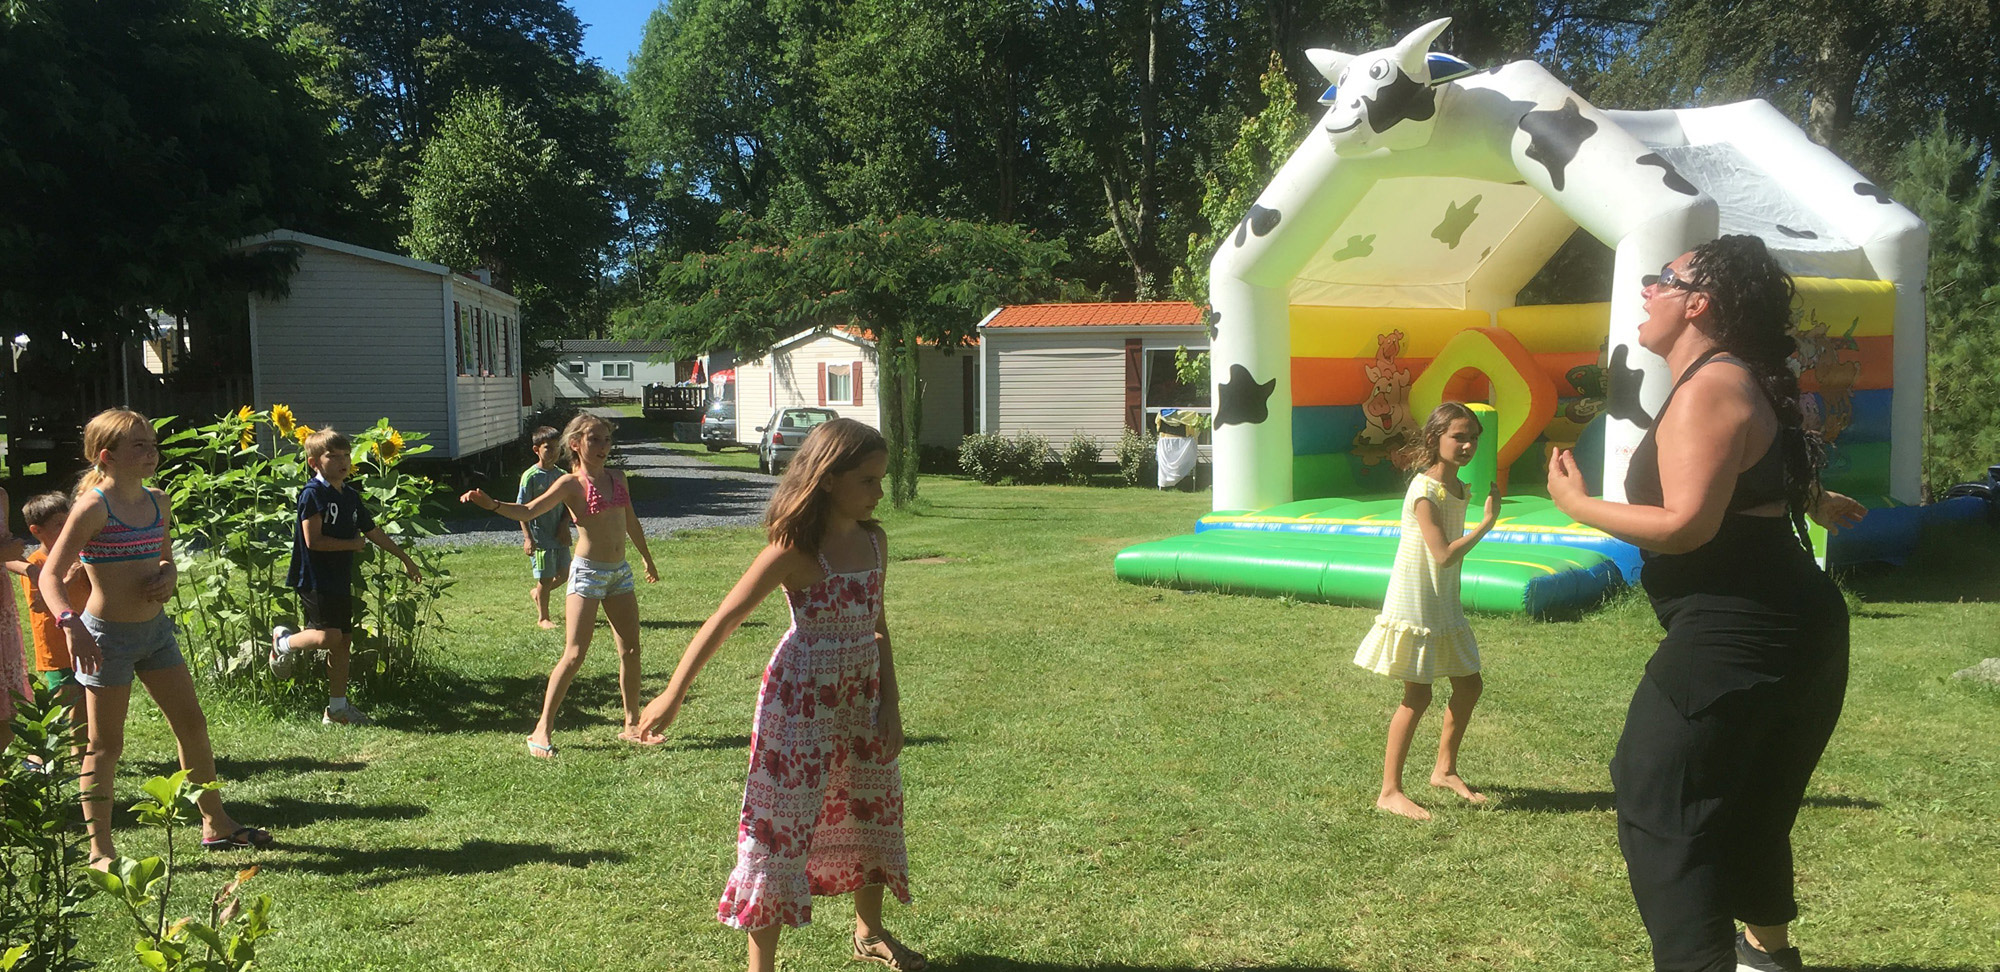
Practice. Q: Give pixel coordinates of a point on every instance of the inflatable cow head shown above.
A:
(1384, 99)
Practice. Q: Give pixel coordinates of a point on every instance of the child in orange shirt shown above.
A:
(45, 515)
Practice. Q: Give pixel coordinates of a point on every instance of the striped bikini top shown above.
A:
(121, 541)
(595, 501)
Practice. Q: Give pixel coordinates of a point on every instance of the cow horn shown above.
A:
(1411, 49)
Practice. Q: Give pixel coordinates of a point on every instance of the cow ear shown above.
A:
(1411, 49)
(1329, 63)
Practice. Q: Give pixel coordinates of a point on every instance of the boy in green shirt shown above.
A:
(545, 539)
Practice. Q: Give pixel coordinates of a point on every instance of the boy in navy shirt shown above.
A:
(331, 524)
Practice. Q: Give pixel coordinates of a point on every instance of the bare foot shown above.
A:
(102, 864)
(545, 624)
(1451, 781)
(1397, 803)
(535, 598)
(633, 735)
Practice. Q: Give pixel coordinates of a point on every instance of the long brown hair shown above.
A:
(1423, 453)
(796, 517)
(107, 430)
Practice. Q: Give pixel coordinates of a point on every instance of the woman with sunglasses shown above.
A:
(1738, 702)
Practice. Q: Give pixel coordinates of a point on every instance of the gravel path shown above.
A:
(697, 494)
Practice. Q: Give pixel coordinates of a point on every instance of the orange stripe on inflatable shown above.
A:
(1339, 381)
(1876, 357)
(1556, 365)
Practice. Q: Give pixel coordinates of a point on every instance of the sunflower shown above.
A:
(245, 414)
(281, 416)
(302, 433)
(247, 439)
(388, 449)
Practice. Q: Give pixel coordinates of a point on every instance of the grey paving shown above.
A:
(698, 495)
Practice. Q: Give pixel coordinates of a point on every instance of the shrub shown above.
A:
(983, 456)
(1136, 456)
(1028, 458)
(1080, 458)
(235, 504)
(42, 888)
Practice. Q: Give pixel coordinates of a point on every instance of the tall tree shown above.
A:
(906, 282)
(139, 140)
(1951, 184)
(1263, 143)
(492, 191)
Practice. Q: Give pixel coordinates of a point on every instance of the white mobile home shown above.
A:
(838, 369)
(366, 334)
(588, 368)
(1099, 369)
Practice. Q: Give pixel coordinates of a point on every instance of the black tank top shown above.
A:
(1745, 549)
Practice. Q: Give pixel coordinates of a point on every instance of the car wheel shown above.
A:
(763, 464)
(712, 447)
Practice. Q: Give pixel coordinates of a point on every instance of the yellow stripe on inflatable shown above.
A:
(1545, 328)
(1868, 306)
(1349, 332)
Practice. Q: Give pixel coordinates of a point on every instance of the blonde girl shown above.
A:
(1422, 632)
(601, 505)
(118, 529)
(823, 807)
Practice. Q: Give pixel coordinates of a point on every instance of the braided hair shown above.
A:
(1750, 307)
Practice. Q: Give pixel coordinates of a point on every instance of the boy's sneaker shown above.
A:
(1750, 958)
(284, 664)
(344, 714)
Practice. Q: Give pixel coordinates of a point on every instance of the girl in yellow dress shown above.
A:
(1422, 632)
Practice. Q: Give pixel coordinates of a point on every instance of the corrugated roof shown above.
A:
(595, 346)
(1142, 313)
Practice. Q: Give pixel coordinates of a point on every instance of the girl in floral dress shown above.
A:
(823, 807)
(1422, 632)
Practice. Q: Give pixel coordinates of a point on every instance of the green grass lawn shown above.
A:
(1100, 776)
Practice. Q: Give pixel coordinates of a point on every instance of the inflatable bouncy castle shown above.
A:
(1378, 274)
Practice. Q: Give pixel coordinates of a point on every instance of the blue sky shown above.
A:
(611, 29)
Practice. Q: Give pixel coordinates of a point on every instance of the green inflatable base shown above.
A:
(1512, 578)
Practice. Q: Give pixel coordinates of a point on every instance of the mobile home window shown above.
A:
(577, 368)
(616, 371)
(507, 346)
(840, 384)
(465, 349)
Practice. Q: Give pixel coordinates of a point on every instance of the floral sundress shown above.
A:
(821, 815)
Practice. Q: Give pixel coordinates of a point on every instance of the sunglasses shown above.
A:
(1666, 278)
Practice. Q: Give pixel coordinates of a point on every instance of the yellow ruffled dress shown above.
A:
(1422, 634)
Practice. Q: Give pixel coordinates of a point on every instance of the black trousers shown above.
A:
(1722, 735)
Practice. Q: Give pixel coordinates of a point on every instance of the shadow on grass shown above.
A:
(994, 963)
(507, 703)
(230, 769)
(677, 624)
(1533, 800)
(390, 864)
(743, 742)
(280, 812)
(1898, 968)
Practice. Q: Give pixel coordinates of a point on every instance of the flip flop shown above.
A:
(241, 838)
(541, 750)
(901, 957)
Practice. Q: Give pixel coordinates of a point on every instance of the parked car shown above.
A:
(718, 425)
(783, 433)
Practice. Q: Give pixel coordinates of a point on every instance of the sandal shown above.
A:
(243, 837)
(901, 957)
(541, 750)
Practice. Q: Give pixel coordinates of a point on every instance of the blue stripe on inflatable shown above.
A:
(1870, 419)
(1320, 429)
(1618, 552)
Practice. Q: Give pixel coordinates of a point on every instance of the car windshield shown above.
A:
(804, 419)
(723, 410)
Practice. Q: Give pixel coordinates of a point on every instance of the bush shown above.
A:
(42, 888)
(936, 459)
(235, 505)
(1137, 454)
(983, 456)
(1028, 458)
(1080, 458)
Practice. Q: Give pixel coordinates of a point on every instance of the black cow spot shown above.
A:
(1554, 137)
(1667, 174)
(1357, 247)
(1456, 221)
(1622, 397)
(1797, 234)
(1242, 231)
(1263, 220)
(1872, 191)
(1212, 319)
(1242, 400)
(1403, 99)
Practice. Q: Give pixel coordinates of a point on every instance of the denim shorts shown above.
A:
(597, 579)
(549, 563)
(130, 647)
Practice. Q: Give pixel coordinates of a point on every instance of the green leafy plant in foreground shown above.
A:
(42, 889)
(144, 888)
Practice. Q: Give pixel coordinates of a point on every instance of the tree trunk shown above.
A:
(900, 406)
